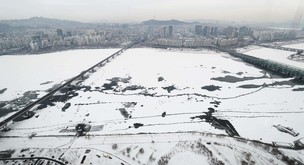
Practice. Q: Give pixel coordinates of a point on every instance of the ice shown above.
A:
(21, 73)
(295, 46)
(280, 56)
(267, 100)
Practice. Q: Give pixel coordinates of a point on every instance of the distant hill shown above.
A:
(43, 22)
(5, 27)
(8, 28)
(165, 22)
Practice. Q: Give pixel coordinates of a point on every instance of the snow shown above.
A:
(174, 148)
(280, 56)
(252, 111)
(295, 46)
(188, 158)
(21, 73)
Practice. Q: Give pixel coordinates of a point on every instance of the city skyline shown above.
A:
(140, 10)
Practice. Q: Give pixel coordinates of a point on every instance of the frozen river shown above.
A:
(295, 46)
(158, 91)
(280, 56)
(21, 73)
(27, 77)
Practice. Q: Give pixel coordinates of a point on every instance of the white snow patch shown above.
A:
(21, 73)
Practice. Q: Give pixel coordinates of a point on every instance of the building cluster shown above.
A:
(183, 42)
(197, 42)
(166, 31)
(58, 39)
(183, 35)
(201, 36)
(207, 31)
(15, 42)
(89, 38)
(169, 42)
(226, 42)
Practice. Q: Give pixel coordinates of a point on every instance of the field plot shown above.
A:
(156, 106)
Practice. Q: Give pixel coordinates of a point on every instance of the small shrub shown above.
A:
(128, 149)
(114, 146)
(141, 151)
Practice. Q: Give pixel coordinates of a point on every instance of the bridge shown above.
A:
(277, 67)
(81, 76)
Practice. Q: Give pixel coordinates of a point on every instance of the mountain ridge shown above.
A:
(166, 22)
(42, 22)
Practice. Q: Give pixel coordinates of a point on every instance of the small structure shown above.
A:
(286, 130)
(82, 129)
(283, 145)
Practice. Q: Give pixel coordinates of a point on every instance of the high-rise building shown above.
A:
(60, 33)
(198, 29)
(206, 31)
(162, 32)
(243, 30)
(228, 31)
(213, 31)
(166, 31)
(170, 31)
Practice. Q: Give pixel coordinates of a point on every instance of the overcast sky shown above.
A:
(140, 10)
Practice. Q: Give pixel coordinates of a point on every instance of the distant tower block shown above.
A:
(60, 33)
(170, 31)
(198, 29)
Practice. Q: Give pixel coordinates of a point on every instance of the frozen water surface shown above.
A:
(157, 106)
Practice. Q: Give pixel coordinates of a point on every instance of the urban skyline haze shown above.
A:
(140, 10)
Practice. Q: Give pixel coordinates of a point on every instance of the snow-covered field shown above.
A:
(26, 77)
(21, 73)
(156, 106)
(295, 46)
(276, 55)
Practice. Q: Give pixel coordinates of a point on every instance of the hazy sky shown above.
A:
(140, 10)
